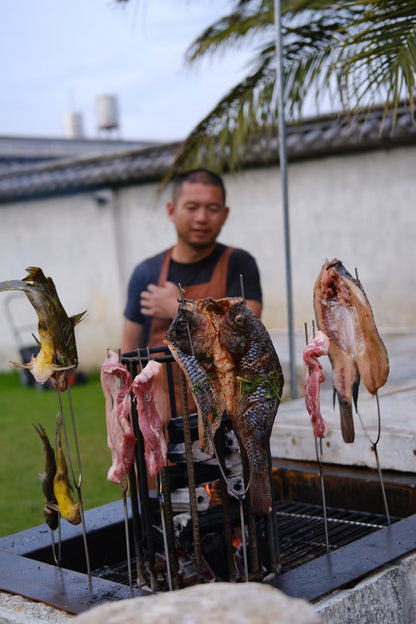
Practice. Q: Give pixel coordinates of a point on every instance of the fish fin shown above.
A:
(35, 275)
(52, 506)
(76, 318)
(29, 365)
(347, 422)
(355, 389)
(58, 369)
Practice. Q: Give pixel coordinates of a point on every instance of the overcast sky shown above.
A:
(58, 55)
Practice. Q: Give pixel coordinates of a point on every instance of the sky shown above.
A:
(57, 56)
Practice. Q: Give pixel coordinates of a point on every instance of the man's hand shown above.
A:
(160, 301)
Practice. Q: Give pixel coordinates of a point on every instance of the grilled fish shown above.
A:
(58, 352)
(233, 368)
(68, 507)
(356, 350)
(50, 514)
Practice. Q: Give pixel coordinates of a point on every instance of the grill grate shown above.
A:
(301, 535)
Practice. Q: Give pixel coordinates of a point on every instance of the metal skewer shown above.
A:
(375, 444)
(159, 488)
(68, 451)
(319, 458)
(239, 495)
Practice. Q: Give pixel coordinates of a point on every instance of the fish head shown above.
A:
(191, 330)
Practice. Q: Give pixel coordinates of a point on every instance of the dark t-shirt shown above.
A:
(148, 271)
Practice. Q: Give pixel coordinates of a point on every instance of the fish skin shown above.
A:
(356, 350)
(239, 372)
(50, 515)
(58, 352)
(67, 506)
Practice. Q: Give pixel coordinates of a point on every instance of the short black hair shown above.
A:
(201, 176)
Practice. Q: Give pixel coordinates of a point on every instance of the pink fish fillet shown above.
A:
(147, 388)
(116, 384)
(314, 377)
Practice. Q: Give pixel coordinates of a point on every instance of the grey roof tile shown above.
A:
(322, 136)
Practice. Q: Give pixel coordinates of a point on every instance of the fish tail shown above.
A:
(347, 422)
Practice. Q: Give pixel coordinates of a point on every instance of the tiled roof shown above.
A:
(311, 138)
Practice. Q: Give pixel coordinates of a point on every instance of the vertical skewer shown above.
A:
(76, 485)
(126, 531)
(159, 492)
(239, 495)
(375, 444)
(319, 458)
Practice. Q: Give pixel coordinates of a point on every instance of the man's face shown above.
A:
(198, 214)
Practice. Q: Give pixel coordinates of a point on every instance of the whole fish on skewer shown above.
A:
(50, 512)
(58, 352)
(66, 504)
(356, 350)
(238, 372)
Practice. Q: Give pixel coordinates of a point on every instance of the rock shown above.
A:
(214, 603)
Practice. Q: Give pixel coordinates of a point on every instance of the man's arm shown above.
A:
(133, 335)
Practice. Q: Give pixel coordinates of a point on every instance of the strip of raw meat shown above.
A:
(147, 388)
(314, 377)
(116, 384)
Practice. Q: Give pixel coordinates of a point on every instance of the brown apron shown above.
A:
(215, 288)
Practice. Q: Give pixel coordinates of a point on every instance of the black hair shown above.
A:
(201, 176)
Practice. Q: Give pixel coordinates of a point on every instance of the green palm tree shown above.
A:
(356, 53)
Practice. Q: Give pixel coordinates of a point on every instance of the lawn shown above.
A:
(21, 450)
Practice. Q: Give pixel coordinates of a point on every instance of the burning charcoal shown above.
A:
(180, 499)
(176, 454)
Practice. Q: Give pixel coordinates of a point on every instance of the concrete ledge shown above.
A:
(388, 596)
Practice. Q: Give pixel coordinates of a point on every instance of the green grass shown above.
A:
(21, 450)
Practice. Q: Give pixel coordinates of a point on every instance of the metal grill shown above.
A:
(301, 535)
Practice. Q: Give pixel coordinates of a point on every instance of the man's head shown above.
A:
(198, 176)
(198, 209)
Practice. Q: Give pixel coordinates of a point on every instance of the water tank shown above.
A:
(73, 126)
(107, 112)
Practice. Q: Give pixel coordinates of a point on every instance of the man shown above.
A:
(203, 267)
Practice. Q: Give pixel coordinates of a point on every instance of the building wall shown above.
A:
(358, 208)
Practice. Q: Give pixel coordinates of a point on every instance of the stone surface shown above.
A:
(387, 596)
(17, 610)
(225, 603)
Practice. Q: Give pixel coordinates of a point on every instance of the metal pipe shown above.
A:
(283, 175)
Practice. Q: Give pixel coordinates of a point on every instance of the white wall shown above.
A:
(358, 208)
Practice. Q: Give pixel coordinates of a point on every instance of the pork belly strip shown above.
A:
(116, 383)
(148, 390)
(313, 378)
